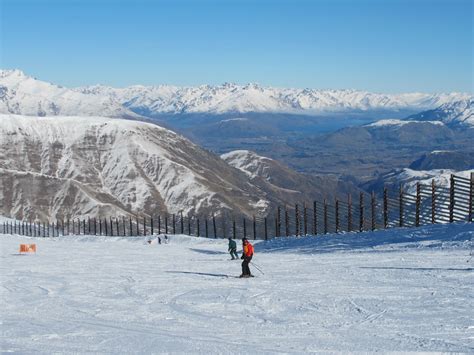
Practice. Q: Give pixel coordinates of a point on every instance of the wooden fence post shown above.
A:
(297, 220)
(471, 196)
(254, 228)
(417, 204)
(315, 218)
(325, 217)
(451, 199)
(223, 227)
(278, 231)
(433, 201)
(385, 207)
(266, 230)
(111, 229)
(214, 225)
(234, 231)
(361, 212)
(276, 226)
(372, 212)
(349, 212)
(305, 219)
(400, 197)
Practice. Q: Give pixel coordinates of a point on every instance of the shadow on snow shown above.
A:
(206, 251)
(197, 273)
(416, 268)
(427, 237)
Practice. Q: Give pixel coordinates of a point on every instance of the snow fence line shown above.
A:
(456, 235)
(415, 206)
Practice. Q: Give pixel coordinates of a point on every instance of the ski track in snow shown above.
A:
(121, 295)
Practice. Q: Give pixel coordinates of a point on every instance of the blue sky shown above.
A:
(376, 45)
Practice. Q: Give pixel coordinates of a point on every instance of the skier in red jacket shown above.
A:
(247, 255)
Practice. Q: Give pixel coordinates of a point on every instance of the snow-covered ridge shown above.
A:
(105, 163)
(396, 122)
(458, 113)
(249, 162)
(22, 94)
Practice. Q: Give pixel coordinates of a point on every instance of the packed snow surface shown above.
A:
(395, 290)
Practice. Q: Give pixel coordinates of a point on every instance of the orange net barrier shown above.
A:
(27, 248)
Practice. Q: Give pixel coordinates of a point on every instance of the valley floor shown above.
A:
(396, 290)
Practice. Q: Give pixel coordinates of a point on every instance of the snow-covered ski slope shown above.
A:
(394, 290)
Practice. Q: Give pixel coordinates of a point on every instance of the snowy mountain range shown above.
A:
(22, 94)
(155, 100)
(25, 95)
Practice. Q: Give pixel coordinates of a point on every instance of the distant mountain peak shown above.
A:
(11, 72)
(455, 114)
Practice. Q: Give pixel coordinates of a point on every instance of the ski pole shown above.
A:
(257, 267)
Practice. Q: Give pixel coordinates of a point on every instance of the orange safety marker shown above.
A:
(27, 248)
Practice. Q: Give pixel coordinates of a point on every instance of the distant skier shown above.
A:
(233, 249)
(247, 255)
